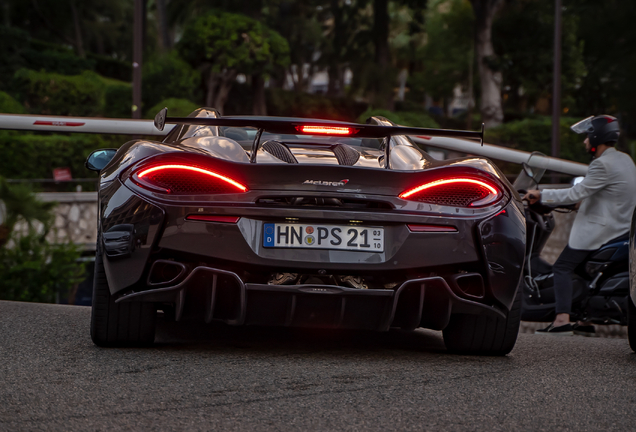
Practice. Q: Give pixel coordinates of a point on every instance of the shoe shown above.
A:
(551, 330)
(584, 330)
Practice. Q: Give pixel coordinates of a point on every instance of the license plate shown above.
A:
(340, 237)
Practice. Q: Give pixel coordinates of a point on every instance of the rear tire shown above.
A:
(118, 324)
(483, 334)
(631, 323)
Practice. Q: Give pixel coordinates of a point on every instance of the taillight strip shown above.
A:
(212, 218)
(431, 228)
(408, 193)
(191, 168)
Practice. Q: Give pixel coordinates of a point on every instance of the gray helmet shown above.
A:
(603, 129)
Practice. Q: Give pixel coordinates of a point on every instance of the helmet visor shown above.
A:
(584, 126)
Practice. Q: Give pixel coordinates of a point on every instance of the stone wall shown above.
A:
(75, 217)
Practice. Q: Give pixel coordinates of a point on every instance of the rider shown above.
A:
(608, 197)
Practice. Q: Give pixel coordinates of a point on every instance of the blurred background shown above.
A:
(526, 68)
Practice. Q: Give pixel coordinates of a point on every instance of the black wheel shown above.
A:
(484, 335)
(631, 323)
(118, 324)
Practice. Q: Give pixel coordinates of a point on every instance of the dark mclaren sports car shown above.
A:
(306, 223)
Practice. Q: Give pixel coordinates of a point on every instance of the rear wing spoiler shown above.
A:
(310, 127)
(315, 127)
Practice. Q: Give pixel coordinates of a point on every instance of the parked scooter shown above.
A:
(601, 282)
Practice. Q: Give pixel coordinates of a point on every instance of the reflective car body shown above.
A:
(203, 254)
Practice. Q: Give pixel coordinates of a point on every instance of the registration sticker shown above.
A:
(340, 237)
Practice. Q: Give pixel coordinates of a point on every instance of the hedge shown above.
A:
(9, 105)
(404, 118)
(87, 94)
(34, 155)
(536, 135)
(176, 108)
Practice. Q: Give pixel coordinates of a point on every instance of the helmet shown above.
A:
(603, 129)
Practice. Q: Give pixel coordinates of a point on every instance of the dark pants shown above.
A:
(563, 271)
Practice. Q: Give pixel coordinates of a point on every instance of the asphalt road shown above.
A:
(218, 378)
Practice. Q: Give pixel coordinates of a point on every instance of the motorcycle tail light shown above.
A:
(455, 192)
(182, 179)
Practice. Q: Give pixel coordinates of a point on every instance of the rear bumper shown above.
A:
(212, 294)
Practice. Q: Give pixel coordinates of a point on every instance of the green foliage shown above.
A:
(62, 62)
(34, 270)
(19, 202)
(176, 108)
(526, 56)
(447, 54)
(535, 135)
(118, 101)
(9, 105)
(233, 41)
(295, 104)
(46, 93)
(111, 67)
(403, 118)
(32, 155)
(169, 76)
(87, 94)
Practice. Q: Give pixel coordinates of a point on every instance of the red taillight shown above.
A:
(431, 228)
(456, 192)
(212, 218)
(325, 130)
(186, 180)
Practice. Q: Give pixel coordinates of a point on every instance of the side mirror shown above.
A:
(97, 160)
(576, 180)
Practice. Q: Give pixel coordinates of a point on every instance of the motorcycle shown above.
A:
(600, 283)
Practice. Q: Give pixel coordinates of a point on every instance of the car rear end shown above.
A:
(313, 245)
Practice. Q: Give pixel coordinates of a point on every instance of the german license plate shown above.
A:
(306, 236)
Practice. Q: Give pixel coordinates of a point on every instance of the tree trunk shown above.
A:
(383, 97)
(259, 107)
(211, 90)
(489, 77)
(334, 86)
(226, 82)
(79, 43)
(162, 20)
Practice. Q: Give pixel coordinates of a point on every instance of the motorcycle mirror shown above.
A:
(528, 170)
(576, 180)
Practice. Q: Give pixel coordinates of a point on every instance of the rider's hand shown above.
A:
(532, 196)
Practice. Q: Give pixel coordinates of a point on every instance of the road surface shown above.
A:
(220, 378)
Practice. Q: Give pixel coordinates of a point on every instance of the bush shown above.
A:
(34, 155)
(536, 135)
(296, 104)
(61, 62)
(404, 118)
(168, 77)
(9, 105)
(72, 95)
(176, 108)
(118, 101)
(47, 93)
(110, 67)
(34, 270)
